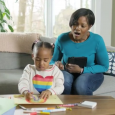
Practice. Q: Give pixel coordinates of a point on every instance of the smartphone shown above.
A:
(81, 61)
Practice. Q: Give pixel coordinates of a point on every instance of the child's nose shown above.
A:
(41, 63)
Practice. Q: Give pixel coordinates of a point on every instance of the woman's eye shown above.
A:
(45, 60)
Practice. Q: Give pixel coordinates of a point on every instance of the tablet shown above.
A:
(81, 61)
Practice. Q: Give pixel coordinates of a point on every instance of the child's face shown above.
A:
(42, 58)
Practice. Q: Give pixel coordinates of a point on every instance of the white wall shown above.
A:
(113, 24)
(103, 14)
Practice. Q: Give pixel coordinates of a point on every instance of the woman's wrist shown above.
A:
(81, 71)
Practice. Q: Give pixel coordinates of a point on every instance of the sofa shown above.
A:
(15, 54)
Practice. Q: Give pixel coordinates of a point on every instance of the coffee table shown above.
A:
(105, 105)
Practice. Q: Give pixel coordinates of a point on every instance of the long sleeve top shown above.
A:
(93, 48)
(37, 81)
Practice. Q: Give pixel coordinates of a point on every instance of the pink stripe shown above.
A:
(53, 91)
(42, 79)
(51, 69)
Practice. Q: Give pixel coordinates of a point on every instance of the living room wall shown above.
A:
(113, 24)
(103, 25)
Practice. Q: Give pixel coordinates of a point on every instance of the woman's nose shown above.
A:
(77, 27)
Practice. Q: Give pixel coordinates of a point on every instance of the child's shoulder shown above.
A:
(29, 67)
(55, 68)
(56, 72)
(52, 67)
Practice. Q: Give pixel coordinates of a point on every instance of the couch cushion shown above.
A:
(111, 70)
(111, 54)
(14, 60)
(107, 94)
(110, 48)
(9, 81)
(17, 42)
(107, 86)
(47, 39)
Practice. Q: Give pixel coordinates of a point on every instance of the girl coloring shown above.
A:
(41, 78)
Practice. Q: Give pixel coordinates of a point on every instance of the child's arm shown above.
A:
(59, 83)
(23, 84)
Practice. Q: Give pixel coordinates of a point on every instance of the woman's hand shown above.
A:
(45, 94)
(59, 65)
(73, 68)
(28, 95)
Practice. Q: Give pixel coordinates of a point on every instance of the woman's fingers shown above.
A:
(71, 65)
(59, 65)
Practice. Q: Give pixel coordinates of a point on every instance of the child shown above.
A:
(41, 78)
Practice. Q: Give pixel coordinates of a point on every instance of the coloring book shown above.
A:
(53, 99)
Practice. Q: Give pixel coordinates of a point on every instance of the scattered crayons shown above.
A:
(58, 107)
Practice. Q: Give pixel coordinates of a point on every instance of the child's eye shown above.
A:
(37, 59)
(46, 60)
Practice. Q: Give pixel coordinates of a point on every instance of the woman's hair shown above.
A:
(40, 44)
(82, 12)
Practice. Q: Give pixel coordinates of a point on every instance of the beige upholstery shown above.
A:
(17, 42)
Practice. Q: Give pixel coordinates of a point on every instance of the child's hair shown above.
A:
(40, 44)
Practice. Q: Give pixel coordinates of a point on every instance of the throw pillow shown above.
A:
(111, 70)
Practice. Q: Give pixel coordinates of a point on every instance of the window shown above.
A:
(61, 15)
(47, 17)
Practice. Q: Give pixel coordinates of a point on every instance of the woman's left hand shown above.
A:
(73, 68)
(45, 94)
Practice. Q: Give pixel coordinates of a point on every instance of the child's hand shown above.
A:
(28, 95)
(45, 94)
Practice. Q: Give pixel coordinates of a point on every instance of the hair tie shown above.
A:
(36, 41)
(52, 44)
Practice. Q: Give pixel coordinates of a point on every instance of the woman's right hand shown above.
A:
(59, 65)
(28, 95)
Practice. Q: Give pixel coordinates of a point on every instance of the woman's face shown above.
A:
(80, 29)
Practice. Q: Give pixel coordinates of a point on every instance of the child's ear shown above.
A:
(32, 56)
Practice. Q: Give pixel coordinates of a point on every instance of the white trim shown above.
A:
(103, 15)
(93, 9)
(48, 18)
(97, 11)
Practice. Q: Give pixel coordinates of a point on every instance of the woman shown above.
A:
(80, 42)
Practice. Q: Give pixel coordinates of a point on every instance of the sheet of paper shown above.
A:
(53, 99)
(6, 104)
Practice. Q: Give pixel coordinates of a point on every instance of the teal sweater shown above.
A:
(93, 48)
